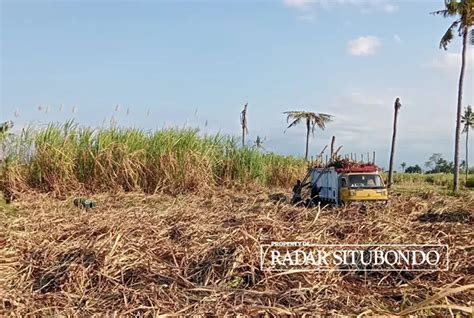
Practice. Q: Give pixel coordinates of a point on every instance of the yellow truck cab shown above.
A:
(362, 186)
(344, 185)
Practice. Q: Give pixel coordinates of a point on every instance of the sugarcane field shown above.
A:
(203, 158)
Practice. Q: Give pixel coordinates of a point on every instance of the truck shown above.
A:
(347, 184)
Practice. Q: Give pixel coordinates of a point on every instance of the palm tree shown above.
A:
(312, 120)
(258, 143)
(403, 165)
(463, 10)
(468, 120)
(243, 123)
(397, 107)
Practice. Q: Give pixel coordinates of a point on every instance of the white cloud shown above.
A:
(363, 46)
(388, 7)
(364, 99)
(446, 61)
(306, 17)
(300, 4)
(397, 38)
(366, 6)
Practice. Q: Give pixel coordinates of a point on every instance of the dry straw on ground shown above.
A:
(138, 254)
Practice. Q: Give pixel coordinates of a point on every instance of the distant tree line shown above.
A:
(413, 169)
(435, 164)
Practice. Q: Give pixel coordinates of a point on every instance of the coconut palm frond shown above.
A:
(453, 6)
(444, 13)
(326, 117)
(294, 123)
(315, 119)
(321, 119)
(318, 120)
(448, 36)
(294, 114)
(452, 9)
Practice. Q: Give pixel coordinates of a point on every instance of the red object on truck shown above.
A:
(358, 168)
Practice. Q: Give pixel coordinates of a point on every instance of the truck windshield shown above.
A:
(371, 181)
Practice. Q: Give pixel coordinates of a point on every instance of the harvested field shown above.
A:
(199, 254)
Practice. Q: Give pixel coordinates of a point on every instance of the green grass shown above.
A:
(67, 157)
(438, 179)
(470, 182)
(442, 183)
(444, 180)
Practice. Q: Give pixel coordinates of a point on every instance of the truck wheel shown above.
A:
(315, 195)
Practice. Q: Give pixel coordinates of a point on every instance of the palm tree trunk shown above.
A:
(467, 153)
(459, 110)
(392, 151)
(333, 141)
(243, 137)
(308, 126)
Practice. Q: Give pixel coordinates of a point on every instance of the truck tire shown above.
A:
(315, 195)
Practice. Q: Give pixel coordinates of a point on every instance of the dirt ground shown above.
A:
(199, 254)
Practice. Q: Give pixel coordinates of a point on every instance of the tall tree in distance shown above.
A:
(311, 119)
(463, 11)
(258, 144)
(468, 121)
(243, 123)
(397, 107)
(403, 165)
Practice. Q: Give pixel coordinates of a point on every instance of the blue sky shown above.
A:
(175, 63)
